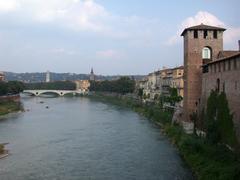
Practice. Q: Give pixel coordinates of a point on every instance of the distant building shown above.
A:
(82, 85)
(177, 80)
(160, 82)
(48, 76)
(92, 76)
(2, 76)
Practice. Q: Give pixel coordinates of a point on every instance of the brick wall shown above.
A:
(228, 73)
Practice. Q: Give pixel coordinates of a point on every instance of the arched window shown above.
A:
(206, 53)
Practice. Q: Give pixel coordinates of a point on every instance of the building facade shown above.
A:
(159, 83)
(2, 76)
(82, 85)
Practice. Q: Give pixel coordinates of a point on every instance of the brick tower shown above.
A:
(202, 44)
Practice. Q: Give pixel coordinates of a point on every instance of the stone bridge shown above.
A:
(57, 92)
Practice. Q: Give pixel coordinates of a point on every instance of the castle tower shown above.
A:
(48, 76)
(202, 44)
(92, 76)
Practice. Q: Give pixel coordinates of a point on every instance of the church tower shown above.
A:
(202, 44)
(92, 76)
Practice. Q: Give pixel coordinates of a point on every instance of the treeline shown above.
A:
(123, 85)
(58, 85)
(11, 87)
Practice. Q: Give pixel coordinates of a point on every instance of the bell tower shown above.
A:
(202, 44)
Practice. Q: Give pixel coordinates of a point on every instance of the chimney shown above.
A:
(239, 45)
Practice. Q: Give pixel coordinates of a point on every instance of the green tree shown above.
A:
(211, 121)
(219, 120)
(225, 121)
(140, 92)
(174, 97)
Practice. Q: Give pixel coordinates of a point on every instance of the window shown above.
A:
(224, 66)
(195, 34)
(205, 34)
(219, 67)
(206, 53)
(224, 87)
(229, 65)
(215, 34)
(235, 64)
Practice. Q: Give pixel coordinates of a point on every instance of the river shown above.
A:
(79, 138)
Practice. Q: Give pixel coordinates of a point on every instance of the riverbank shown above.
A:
(206, 160)
(7, 107)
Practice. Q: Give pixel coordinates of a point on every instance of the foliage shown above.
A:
(174, 97)
(58, 85)
(219, 124)
(9, 106)
(207, 160)
(11, 87)
(122, 86)
(140, 92)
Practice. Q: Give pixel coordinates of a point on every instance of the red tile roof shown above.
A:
(224, 54)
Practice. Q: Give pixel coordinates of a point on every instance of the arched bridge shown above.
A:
(58, 92)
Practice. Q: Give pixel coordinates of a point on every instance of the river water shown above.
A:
(79, 138)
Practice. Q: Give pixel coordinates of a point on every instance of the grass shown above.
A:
(207, 161)
(8, 107)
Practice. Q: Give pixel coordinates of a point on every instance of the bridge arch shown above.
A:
(49, 92)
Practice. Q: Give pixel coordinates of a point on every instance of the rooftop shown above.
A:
(202, 27)
(224, 54)
(224, 59)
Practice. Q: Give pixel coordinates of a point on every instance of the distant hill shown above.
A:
(41, 77)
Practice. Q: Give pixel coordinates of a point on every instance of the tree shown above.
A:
(174, 97)
(123, 85)
(219, 120)
(211, 121)
(225, 121)
(140, 92)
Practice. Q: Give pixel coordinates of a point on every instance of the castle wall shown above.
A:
(228, 72)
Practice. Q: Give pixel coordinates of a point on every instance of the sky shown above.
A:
(113, 37)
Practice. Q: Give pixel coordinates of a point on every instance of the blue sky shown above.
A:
(113, 37)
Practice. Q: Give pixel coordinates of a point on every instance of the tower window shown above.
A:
(206, 53)
(215, 34)
(195, 34)
(205, 34)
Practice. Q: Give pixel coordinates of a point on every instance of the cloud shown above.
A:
(78, 16)
(8, 6)
(209, 19)
(109, 54)
(75, 14)
(62, 51)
